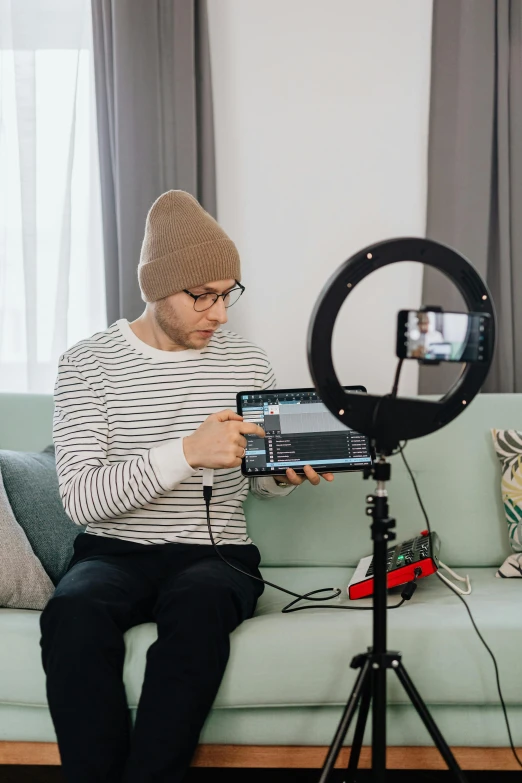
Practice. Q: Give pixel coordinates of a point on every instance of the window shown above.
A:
(52, 290)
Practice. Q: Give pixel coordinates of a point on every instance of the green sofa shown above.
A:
(289, 675)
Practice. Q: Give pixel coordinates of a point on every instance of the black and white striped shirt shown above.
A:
(122, 409)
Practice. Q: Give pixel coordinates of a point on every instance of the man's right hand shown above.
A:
(219, 441)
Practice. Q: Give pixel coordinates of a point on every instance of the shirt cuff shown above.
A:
(169, 463)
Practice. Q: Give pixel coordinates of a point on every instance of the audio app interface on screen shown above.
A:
(300, 430)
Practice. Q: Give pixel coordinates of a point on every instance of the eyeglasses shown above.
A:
(206, 301)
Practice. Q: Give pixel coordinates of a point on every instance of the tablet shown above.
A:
(300, 430)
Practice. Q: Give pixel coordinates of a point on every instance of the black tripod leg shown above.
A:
(360, 726)
(362, 682)
(428, 721)
(379, 725)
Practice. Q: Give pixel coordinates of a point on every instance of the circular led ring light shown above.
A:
(385, 420)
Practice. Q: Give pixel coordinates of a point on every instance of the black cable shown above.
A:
(407, 591)
(396, 381)
(415, 487)
(454, 590)
(207, 493)
(497, 675)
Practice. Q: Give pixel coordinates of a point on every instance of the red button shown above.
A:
(425, 532)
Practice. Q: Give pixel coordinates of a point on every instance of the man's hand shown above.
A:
(310, 475)
(219, 442)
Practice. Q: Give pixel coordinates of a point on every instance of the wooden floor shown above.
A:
(39, 762)
(53, 774)
(288, 757)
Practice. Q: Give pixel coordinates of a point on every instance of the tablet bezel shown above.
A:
(299, 470)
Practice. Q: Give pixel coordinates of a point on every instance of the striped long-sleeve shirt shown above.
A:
(122, 409)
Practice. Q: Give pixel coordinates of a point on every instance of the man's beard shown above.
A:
(167, 320)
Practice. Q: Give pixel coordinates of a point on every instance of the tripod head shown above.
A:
(380, 471)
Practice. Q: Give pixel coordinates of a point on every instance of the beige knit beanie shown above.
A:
(183, 247)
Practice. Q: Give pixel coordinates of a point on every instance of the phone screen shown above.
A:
(443, 337)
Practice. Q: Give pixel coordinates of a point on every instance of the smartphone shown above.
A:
(436, 336)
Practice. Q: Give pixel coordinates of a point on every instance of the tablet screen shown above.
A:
(300, 430)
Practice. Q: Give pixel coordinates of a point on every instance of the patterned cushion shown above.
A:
(31, 486)
(23, 581)
(508, 445)
(512, 567)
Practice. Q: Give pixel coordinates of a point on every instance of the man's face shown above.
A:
(185, 326)
(424, 325)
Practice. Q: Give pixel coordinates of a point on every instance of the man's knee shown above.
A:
(74, 619)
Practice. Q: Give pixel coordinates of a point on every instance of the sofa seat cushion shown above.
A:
(304, 658)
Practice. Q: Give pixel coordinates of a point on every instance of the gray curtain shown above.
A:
(475, 168)
(155, 127)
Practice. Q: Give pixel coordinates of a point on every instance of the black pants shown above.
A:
(110, 586)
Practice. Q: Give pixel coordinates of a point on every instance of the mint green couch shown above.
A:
(289, 675)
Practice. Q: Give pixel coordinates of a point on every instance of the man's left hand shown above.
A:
(310, 475)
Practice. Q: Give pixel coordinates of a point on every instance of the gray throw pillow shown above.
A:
(31, 486)
(23, 581)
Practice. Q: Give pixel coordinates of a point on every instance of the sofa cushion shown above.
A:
(304, 658)
(23, 581)
(31, 485)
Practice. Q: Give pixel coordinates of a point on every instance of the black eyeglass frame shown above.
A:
(197, 296)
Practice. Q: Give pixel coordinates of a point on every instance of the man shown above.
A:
(139, 409)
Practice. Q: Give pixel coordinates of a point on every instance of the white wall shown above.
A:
(321, 119)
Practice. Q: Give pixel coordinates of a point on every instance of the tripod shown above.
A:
(370, 685)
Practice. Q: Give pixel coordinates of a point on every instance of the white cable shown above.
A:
(465, 579)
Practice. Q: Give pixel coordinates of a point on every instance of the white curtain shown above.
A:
(52, 289)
